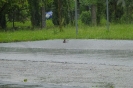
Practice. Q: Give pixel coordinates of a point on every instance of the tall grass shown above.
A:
(117, 31)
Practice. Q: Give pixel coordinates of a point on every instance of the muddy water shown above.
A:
(52, 64)
(58, 75)
(88, 56)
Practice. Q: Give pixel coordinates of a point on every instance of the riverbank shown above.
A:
(117, 32)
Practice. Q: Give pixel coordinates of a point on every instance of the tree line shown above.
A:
(63, 11)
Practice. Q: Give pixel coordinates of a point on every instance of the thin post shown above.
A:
(76, 18)
(107, 3)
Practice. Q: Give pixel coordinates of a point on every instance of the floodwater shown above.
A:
(75, 64)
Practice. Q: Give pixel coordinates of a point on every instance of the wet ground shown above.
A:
(75, 64)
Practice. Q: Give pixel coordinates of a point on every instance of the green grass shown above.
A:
(119, 31)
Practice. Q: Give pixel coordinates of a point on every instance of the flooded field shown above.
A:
(52, 64)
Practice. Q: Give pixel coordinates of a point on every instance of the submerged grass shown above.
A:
(119, 31)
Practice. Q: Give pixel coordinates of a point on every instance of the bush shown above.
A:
(86, 17)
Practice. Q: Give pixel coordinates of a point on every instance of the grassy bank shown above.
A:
(119, 31)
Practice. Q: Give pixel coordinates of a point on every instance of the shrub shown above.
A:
(86, 17)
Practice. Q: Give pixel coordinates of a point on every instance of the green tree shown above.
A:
(86, 17)
(44, 7)
(101, 8)
(127, 5)
(116, 11)
(60, 13)
(97, 8)
(71, 11)
(35, 14)
(10, 7)
(17, 11)
(121, 2)
(3, 9)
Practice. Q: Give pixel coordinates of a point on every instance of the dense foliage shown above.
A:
(86, 17)
(63, 11)
(12, 10)
(60, 12)
(34, 12)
